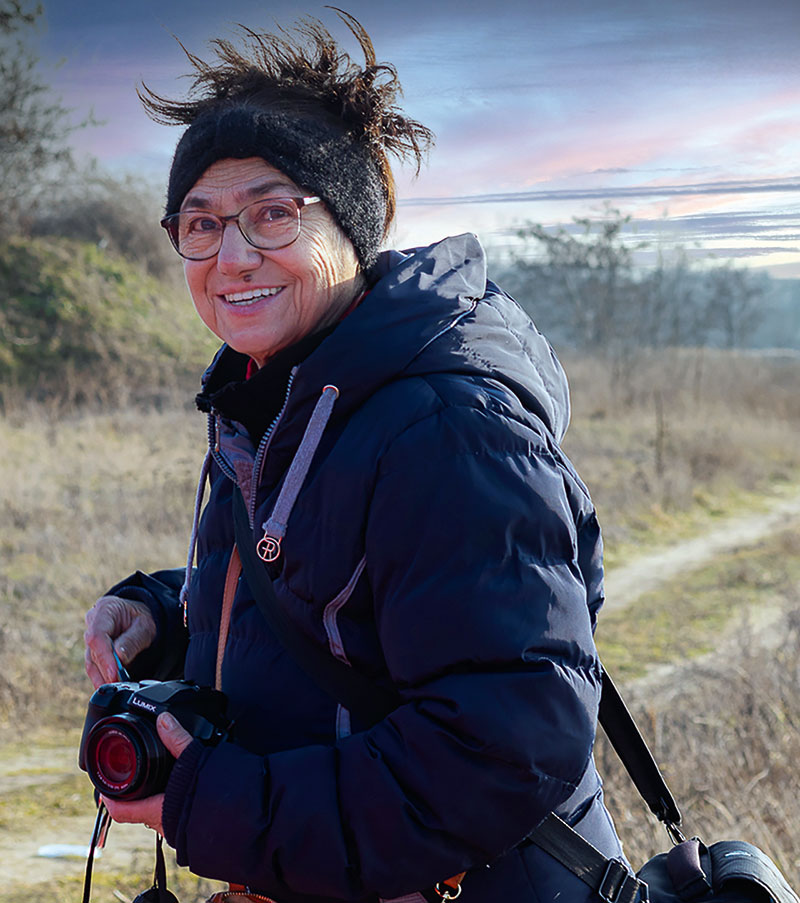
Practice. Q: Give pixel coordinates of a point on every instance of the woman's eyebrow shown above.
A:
(198, 202)
(265, 187)
(195, 202)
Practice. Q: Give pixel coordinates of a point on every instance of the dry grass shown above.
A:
(727, 736)
(85, 500)
(116, 887)
(89, 497)
(722, 711)
(689, 434)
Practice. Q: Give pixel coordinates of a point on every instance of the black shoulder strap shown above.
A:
(635, 755)
(611, 879)
(361, 696)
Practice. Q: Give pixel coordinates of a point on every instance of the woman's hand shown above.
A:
(148, 811)
(115, 624)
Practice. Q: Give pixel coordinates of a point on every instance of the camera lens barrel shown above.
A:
(125, 759)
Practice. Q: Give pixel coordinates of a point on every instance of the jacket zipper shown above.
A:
(261, 453)
(213, 444)
(263, 448)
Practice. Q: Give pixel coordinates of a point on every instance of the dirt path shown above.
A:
(625, 584)
(130, 846)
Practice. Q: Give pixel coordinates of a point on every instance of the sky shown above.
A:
(683, 114)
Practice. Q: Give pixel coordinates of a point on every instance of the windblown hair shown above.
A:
(304, 71)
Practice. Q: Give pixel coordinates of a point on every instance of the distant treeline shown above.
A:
(584, 291)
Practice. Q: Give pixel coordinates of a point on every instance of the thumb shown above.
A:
(172, 735)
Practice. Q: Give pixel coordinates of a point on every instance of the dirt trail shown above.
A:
(130, 846)
(625, 584)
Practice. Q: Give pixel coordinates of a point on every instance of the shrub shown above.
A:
(79, 324)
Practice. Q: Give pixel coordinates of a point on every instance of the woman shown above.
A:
(438, 542)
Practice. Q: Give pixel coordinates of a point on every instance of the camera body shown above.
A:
(120, 747)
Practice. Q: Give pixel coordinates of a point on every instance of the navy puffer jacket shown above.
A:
(440, 542)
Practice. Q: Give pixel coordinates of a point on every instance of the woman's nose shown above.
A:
(236, 255)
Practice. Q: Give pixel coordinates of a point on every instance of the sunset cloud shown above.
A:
(541, 111)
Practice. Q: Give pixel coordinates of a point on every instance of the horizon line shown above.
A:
(573, 194)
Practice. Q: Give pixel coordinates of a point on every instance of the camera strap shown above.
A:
(158, 893)
(101, 825)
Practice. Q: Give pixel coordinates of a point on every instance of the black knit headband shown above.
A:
(316, 155)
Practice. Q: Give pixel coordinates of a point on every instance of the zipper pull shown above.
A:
(269, 547)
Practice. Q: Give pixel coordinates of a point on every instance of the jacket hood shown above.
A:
(431, 310)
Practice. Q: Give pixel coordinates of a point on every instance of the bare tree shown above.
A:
(580, 283)
(734, 304)
(587, 279)
(34, 127)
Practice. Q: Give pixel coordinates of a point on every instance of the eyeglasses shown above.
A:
(268, 224)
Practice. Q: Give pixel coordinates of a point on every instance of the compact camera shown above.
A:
(120, 747)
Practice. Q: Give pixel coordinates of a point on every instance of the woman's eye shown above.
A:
(202, 224)
(274, 212)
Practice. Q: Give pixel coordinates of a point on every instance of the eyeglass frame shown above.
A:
(301, 202)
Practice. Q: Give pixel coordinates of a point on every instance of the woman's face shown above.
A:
(306, 286)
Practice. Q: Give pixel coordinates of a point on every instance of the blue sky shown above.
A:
(685, 115)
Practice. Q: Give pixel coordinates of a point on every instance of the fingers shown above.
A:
(112, 619)
(99, 658)
(172, 735)
(144, 812)
(136, 638)
(95, 675)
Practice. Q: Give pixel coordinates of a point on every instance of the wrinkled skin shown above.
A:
(115, 624)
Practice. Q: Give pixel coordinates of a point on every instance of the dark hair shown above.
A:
(304, 72)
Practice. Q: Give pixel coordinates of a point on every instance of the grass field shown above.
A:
(87, 499)
(90, 497)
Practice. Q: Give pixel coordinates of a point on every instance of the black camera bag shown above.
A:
(729, 871)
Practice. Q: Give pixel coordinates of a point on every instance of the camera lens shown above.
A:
(115, 757)
(125, 758)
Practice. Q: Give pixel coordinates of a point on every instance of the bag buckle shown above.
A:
(620, 885)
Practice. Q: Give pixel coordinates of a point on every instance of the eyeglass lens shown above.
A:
(268, 224)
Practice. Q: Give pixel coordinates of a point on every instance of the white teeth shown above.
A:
(252, 296)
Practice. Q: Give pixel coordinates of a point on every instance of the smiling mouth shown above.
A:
(243, 299)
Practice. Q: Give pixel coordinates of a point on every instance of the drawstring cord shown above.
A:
(269, 546)
(198, 505)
